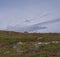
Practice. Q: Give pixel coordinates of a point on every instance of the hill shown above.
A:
(19, 44)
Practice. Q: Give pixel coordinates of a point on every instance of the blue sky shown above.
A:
(21, 15)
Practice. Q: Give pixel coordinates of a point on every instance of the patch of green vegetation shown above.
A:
(24, 44)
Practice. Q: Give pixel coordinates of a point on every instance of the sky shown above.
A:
(27, 15)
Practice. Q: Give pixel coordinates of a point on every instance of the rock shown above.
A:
(14, 46)
(43, 43)
(55, 42)
(20, 43)
(34, 47)
(6, 52)
(20, 51)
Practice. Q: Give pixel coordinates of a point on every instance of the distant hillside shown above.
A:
(17, 44)
(25, 35)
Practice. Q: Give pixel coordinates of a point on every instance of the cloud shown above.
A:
(34, 27)
(29, 15)
(38, 16)
(49, 22)
(27, 21)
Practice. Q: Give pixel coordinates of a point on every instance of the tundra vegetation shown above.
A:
(16, 44)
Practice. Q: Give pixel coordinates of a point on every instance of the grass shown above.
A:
(9, 38)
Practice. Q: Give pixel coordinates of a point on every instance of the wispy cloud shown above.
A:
(34, 27)
(29, 15)
(49, 22)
